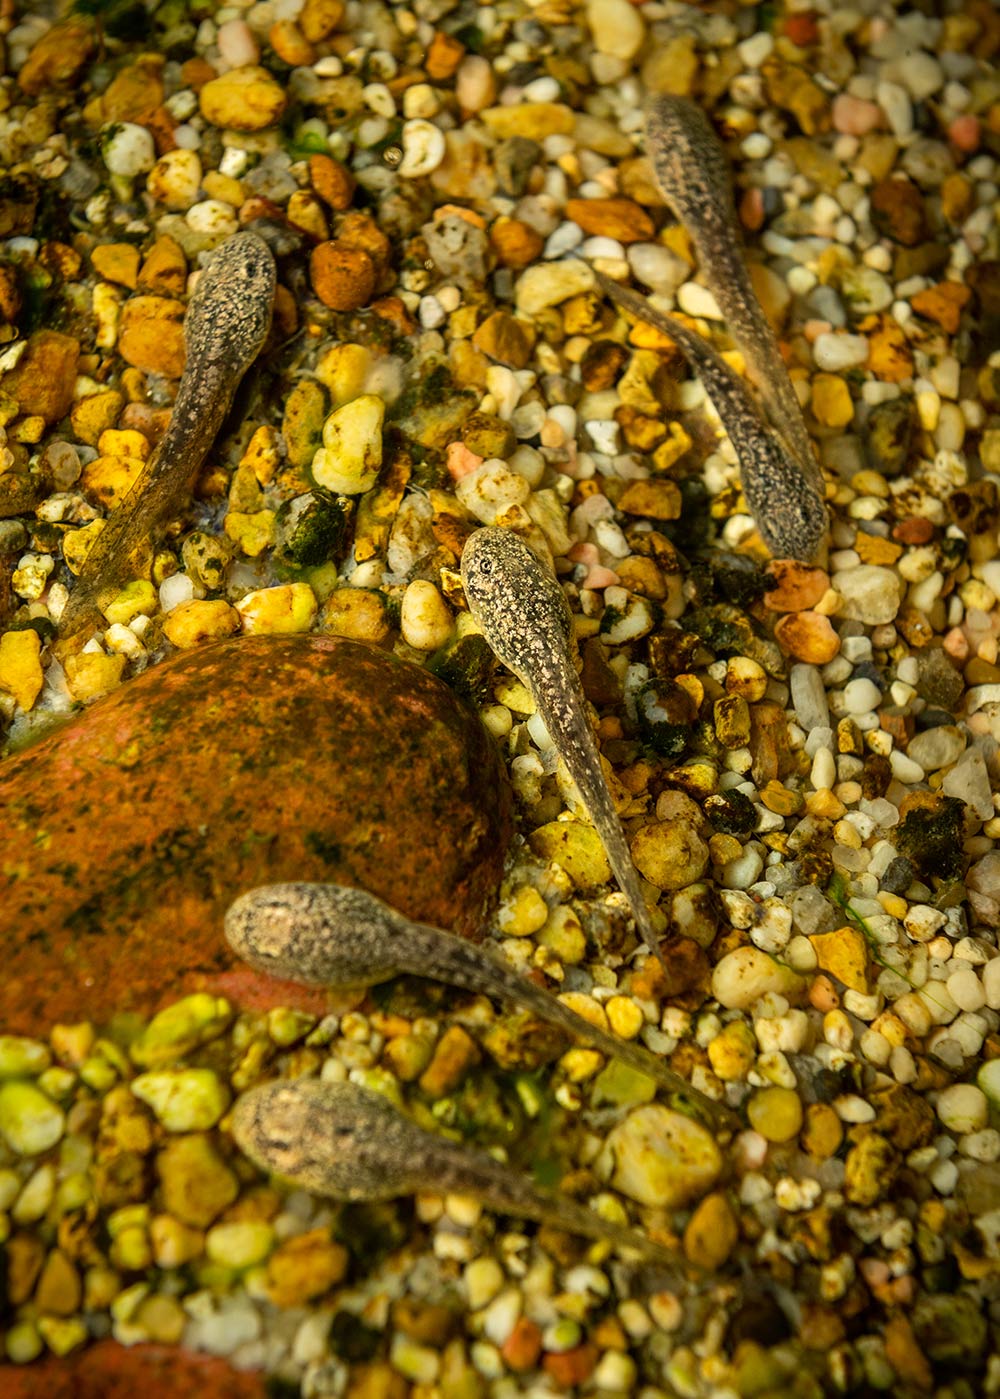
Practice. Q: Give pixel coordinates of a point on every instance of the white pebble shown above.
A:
(834, 352)
(423, 148)
(696, 300)
(129, 149)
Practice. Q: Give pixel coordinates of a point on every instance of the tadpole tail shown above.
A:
(586, 772)
(782, 497)
(514, 987)
(511, 1192)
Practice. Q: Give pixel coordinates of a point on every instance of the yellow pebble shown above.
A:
(252, 534)
(523, 913)
(135, 598)
(776, 1113)
(263, 455)
(281, 611)
(123, 442)
(585, 1006)
(624, 1016)
(92, 674)
(712, 1233)
(732, 1052)
(564, 936)
(580, 1064)
(191, 623)
(831, 401)
(93, 415)
(343, 370)
(108, 479)
(20, 667)
(224, 187)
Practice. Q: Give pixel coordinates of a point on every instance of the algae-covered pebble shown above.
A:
(659, 1157)
(135, 598)
(349, 460)
(20, 1056)
(184, 1100)
(30, 1122)
(178, 1029)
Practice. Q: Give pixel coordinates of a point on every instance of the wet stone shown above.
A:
(888, 434)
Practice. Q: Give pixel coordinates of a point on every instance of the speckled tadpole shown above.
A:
(691, 169)
(522, 613)
(227, 322)
(331, 935)
(343, 1141)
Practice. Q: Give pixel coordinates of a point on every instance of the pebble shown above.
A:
(425, 619)
(776, 1113)
(837, 352)
(184, 1100)
(962, 1108)
(30, 1122)
(659, 1157)
(616, 27)
(423, 148)
(746, 974)
(128, 150)
(349, 460)
(871, 594)
(244, 99)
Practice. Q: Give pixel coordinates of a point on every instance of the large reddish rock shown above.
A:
(110, 1371)
(129, 830)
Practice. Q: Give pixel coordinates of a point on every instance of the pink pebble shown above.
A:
(600, 577)
(584, 553)
(812, 330)
(964, 133)
(875, 1271)
(853, 116)
(237, 46)
(956, 645)
(460, 461)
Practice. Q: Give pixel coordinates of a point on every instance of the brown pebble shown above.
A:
(943, 304)
(151, 335)
(44, 378)
(873, 549)
(656, 500)
(505, 339)
(59, 1290)
(808, 636)
(915, 530)
(602, 363)
(117, 262)
(443, 57)
(898, 211)
(515, 243)
(622, 219)
(712, 1233)
(290, 44)
(319, 18)
(332, 181)
(164, 268)
(343, 278)
(794, 587)
(59, 57)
